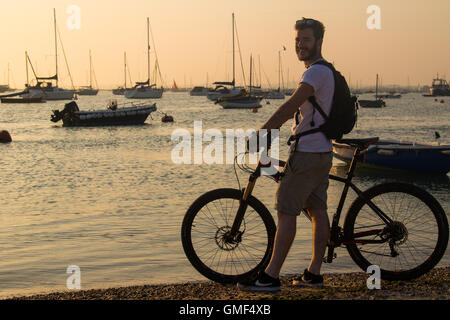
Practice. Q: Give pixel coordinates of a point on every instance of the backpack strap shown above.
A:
(316, 106)
(313, 101)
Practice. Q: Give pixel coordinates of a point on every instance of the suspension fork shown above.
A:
(247, 192)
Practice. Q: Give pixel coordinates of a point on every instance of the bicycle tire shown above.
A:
(192, 250)
(413, 193)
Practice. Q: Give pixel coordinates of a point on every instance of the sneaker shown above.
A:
(262, 282)
(308, 279)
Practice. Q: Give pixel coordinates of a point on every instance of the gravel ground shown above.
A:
(432, 286)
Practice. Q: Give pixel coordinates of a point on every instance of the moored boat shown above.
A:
(425, 158)
(372, 103)
(145, 90)
(439, 87)
(44, 87)
(199, 91)
(112, 116)
(377, 103)
(88, 90)
(22, 100)
(244, 102)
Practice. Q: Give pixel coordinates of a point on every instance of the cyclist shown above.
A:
(305, 181)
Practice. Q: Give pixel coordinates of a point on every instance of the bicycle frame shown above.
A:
(336, 238)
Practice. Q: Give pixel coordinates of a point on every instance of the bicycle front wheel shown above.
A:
(204, 232)
(408, 247)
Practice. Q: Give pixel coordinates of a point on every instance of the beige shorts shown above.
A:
(305, 182)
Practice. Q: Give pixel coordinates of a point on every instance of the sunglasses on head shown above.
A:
(305, 21)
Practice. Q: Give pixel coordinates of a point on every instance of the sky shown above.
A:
(193, 42)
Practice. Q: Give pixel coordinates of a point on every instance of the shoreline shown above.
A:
(435, 285)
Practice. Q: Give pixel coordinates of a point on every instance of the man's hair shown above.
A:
(317, 26)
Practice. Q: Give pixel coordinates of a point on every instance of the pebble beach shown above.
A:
(337, 286)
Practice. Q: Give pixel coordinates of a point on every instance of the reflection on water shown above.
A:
(111, 201)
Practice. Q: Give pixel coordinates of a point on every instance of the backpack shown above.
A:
(343, 114)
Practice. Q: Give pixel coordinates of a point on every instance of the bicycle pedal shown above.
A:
(325, 259)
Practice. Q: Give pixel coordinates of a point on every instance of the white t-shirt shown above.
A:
(322, 80)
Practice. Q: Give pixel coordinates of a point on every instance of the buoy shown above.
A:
(5, 137)
(167, 118)
(254, 110)
(436, 100)
(442, 101)
(268, 102)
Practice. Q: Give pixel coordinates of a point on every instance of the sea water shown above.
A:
(111, 201)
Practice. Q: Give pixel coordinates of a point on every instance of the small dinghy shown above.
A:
(394, 154)
(112, 116)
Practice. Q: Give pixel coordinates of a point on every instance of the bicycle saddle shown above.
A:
(359, 143)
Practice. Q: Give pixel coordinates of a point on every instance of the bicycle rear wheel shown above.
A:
(204, 230)
(410, 246)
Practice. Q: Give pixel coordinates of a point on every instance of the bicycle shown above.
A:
(399, 227)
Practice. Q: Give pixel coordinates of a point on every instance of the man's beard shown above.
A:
(312, 54)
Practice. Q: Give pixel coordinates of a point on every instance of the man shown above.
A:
(305, 181)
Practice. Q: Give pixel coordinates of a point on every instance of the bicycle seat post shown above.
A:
(353, 163)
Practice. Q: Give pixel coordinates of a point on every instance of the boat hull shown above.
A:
(22, 100)
(241, 103)
(371, 103)
(274, 95)
(54, 94)
(214, 95)
(199, 91)
(144, 93)
(87, 92)
(73, 117)
(410, 157)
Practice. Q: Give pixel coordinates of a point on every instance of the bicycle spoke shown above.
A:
(208, 228)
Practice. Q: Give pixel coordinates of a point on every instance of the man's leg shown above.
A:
(321, 233)
(284, 237)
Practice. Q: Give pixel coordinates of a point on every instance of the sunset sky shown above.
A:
(193, 39)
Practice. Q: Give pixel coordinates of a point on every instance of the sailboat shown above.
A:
(145, 90)
(277, 94)
(89, 90)
(244, 100)
(44, 87)
(377, 103)
(222, 89)
(120, 91)
(5, 87)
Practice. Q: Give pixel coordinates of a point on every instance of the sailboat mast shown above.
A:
(251, 73)
(56, 46)
(148, 49)
(125, 69)
(26, 66)
(376, 89)
(90, 70)
(233, 51)
(259, 66)
(279, 70)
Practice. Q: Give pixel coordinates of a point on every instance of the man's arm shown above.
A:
(287, 110)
